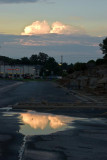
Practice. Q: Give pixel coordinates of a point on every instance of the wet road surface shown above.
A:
(84, 138)
(37, 136)
(13, 92)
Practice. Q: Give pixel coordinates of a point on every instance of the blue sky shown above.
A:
(72, 20)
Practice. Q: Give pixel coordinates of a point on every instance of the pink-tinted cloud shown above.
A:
(37, 28)
(74, 47)
(53, 40)
(44, 41)
(60, 28)
(43, 27)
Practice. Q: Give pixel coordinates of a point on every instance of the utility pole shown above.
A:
(61, 59)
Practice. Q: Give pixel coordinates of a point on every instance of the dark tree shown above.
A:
(42, 58)
(34, 59)
(15, 61)
(90, 64)
(103, 47)
(64, 66)
(101, 61)
(80, 66)
(51, 66)
(70, 68)
(25, 60)
(6, 60)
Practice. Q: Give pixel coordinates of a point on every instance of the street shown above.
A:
(32, 91)
(57, 133)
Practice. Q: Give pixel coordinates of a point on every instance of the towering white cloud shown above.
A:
(37, 28)
(43, 27)
(60, 28)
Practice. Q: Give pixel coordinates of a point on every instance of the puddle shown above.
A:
(42, 124)
(35, 123)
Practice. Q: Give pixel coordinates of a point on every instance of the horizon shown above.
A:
(59, 61)
(72, 29)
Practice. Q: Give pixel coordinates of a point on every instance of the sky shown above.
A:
(72, 28)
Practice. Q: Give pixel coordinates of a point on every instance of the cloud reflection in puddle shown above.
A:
(42, 123)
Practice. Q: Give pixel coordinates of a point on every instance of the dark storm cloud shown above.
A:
(17, 1)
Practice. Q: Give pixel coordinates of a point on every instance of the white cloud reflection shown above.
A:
(41, 121)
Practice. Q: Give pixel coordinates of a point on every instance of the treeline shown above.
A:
(50, 66)
(39, 59)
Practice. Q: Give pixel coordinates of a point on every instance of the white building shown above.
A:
(19, 71)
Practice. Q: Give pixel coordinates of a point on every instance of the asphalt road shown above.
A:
(12, 92)
(85, 139)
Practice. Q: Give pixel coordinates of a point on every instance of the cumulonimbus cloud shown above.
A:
(17, 1)
(37, 28)
(57, 27)
(60, 28)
